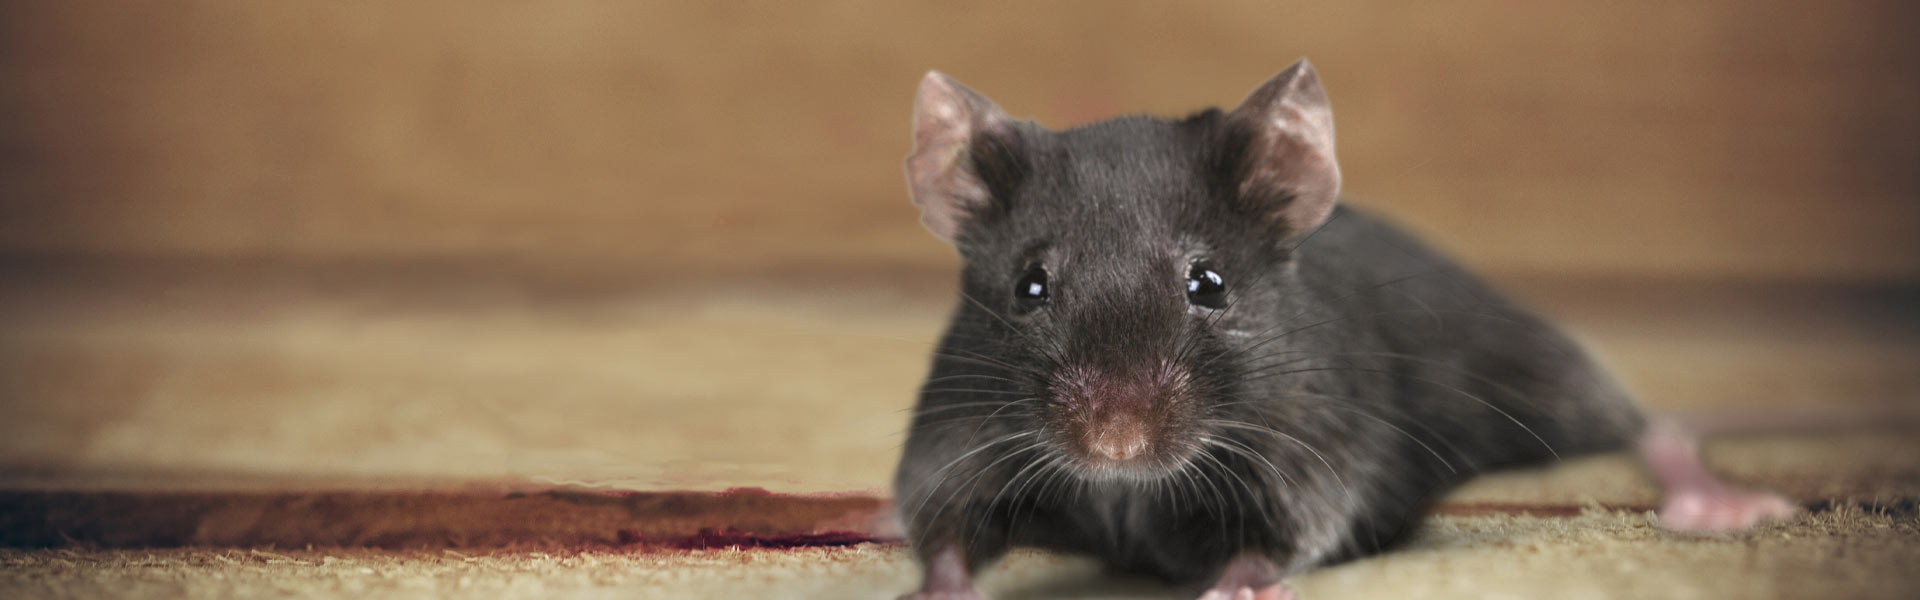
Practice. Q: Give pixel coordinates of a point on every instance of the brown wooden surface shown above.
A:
(1713, 138)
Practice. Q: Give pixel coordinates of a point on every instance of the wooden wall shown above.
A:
(1722, 138)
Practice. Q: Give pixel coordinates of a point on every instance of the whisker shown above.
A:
(1331, 472)
(996, 412)
(918, 425)
(946, 407)
(1339, 402)
(1257, 344)
(1456, 390)
(973, 481)
(1336, 301)
(983, 308)
(967, 376)
(1046, 477)
(1243, 485)
(940, 475)
(1241, 450)
(995, 500)
(1234, 446)
(938, 424)
(969, 391)
(981, 360)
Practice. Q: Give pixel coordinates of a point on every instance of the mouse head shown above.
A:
(1117, 262)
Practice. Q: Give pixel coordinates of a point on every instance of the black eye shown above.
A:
(1206, 288)
(1031, 291)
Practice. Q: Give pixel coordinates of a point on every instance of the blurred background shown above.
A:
(668, 245)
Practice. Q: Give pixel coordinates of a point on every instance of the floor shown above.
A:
(429, 412)
(1848, 553)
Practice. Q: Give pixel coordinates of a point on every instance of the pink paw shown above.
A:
(967, 594)
(1272, 592)
(1722, 510)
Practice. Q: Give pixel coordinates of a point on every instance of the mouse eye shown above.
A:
(1031, 291)
(1206, 288)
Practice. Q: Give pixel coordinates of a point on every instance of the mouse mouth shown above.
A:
(1142, 467)
(1123, 453)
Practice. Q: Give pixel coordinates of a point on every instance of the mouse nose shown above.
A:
(1118, 416)
(1118, 446)
(1118, 439)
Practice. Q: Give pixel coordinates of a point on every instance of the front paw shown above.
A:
(1271, 592)
(966, 594)
(946, 578)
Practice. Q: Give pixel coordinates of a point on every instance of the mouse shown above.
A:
(1176, 351)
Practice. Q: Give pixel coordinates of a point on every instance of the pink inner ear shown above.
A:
(1305, 173)
(1293, 151)
(940, 177)
(943, 187)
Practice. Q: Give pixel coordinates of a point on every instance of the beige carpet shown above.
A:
(1597, 554)
(226, 379)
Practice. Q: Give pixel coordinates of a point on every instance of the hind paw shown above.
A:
(1722, 510)
(1697, 500)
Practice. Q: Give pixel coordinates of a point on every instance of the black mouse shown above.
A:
(1176, 352)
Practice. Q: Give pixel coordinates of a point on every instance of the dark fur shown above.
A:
(1388, 366)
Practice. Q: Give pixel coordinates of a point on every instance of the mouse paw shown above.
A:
(946, 578)
(966, 594)
(1697, 501)
(1249, 577)
(1277, 591)
(1722, 510)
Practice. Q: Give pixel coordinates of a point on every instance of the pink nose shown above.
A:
(1114, 449)
(1117, 441)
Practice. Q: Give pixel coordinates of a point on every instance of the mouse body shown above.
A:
(1175, 351)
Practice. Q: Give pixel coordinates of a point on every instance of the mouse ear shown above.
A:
(1288, 169)
(941, 174)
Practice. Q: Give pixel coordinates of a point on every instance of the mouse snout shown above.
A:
(1119, 417)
